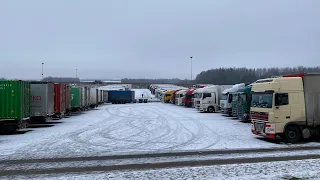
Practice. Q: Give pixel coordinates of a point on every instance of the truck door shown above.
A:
(282, 108)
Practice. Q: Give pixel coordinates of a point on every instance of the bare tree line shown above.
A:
(231, 75)
(247, 75)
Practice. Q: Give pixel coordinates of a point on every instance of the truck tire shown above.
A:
(292, 134)
(210, 109)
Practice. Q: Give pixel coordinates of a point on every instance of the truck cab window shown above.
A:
(205, 95)
(281, 99)
(230, 98)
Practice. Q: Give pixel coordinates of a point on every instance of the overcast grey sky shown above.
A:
(154, 38)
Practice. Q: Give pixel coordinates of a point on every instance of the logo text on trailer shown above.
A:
(35, 98)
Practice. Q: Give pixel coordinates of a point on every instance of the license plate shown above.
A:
(259, 127)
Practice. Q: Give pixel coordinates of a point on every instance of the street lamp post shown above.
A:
(76, 73)
(42, 70)
(191, 67)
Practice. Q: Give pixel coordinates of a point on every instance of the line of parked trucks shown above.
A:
(233, 100)
(23, 103)
(285, 107)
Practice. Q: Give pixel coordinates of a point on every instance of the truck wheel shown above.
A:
(210, 109)
(292, 134)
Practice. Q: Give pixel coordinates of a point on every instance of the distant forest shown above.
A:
(169, 81)
(232, 75)
(61, 79)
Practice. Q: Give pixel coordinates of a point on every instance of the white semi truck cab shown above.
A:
(287, 107)
(197, 97)
(209, 99)
(226, 98)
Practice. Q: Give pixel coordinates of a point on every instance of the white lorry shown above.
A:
(226, 98)
(210, 98)
(197, 97)
(179, 97)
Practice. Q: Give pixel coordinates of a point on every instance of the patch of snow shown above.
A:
(306, 169)
(49, 165)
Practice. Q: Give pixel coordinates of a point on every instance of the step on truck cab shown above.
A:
(188, 98)
(287, 107)
(226, 98)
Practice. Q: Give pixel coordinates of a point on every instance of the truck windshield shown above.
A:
(189, 96)
(224, 97)
(261, 100)
(198, 95)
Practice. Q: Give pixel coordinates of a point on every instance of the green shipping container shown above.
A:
(14, 100)
(75, 97)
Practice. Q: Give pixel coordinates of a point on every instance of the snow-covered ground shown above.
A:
(132, 128)
(306, 169)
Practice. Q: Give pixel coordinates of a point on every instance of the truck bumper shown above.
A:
(202, 109)
(188, 104)
(268, 132)
(226, 110)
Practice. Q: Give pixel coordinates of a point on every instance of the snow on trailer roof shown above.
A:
(181, 91)
(116, 87)
(234, 88)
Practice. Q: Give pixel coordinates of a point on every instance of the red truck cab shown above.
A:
(188, 99)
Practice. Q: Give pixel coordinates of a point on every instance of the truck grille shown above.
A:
(259, 116)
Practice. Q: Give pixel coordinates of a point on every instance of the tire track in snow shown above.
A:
(128, 128)
(168, 138)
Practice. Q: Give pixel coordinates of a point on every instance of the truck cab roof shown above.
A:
(287, 83)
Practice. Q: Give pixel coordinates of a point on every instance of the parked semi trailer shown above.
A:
(120, 97)
(84, 98)
(41, 101)
(286, 107)
(105, 96)
(100, 96)
(88, 98)
(76, 99)
(14, 105)
(93, 97)
(68, 99)
(59, 100)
